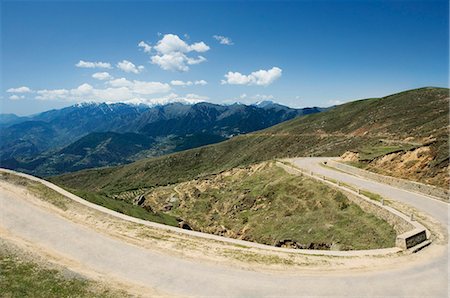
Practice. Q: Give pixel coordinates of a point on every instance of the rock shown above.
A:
(173, 199)
(184, 225)
(288, 243)
(320, 246)
(139, 200)
(168, 207)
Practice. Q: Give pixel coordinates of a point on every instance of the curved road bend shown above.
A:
(184, 277)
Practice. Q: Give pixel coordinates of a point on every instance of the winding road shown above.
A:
(178, 276)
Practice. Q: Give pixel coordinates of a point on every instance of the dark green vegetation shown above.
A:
(127, 207)
(60, 201)
(371, 195)
(412, 117)
(96, 135)
(265, 204)
(20, 277)
(370, 153)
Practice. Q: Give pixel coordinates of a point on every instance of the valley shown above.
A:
(93, 135)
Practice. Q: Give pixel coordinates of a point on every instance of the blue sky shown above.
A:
(299, 53)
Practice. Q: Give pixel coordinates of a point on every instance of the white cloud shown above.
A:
(236, 78)
(175, 61)
(122, 82)
(260, 77)
(195, 98)
(188, 83)
(171, 43)
(172, 53)
(145, 88)
(82, 90)
(128, 66)
(335, 102)
(193, 61)
(120, 90)
(169, 98)
(88, 64)
(145, 46)
(52, 94)
(16, 97)
(141, 87)
(223, 40)
(201, 82)
(22, 89)
(121, 94)
(102, 76)
(199, 47)
(181, 83)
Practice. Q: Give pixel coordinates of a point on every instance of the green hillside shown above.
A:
(263, 203)
(411, 119)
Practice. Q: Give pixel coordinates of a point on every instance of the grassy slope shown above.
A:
(22, 277)
(265, 204)
(414, 114)
(60, 201)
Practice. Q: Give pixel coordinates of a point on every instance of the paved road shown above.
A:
(436, 208)
(184, 277)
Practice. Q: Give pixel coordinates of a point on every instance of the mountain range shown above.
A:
(405, 135)
(98, 134)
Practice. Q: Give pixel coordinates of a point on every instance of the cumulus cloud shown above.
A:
(46, 94)
(102, 76)
(128, 66)
(223, 40)
(118, 90)
(260, 77)
(188, 83)
(175, 61)
(88, 64)
(121, 82)
(145, 46)
(144, 88)
(173, 53)
(16, 97)
(199, 47)
(201, 82)
(141, 87)
(181, 83)
(22, 89)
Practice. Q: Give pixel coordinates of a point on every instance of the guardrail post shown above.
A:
(359, 191)
(382, 201)
(412, 216)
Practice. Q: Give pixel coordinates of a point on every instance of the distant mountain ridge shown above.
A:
(43, 144)
(416, 121)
